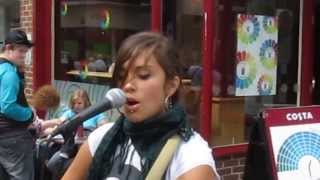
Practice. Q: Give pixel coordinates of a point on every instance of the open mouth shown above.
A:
(132, 105)
(132, 102)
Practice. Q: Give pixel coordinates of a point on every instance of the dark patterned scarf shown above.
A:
(148, 138)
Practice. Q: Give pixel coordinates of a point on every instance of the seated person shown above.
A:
(100, 63)
(46, 98)
(78, 102)
(195, 73)
(97, 64)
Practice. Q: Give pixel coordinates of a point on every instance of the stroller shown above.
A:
(53, 158)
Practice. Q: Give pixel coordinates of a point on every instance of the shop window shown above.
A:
(271, 83)
(182, 21)
(89, 33)
(256, 64)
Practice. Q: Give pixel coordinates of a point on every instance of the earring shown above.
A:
(168, 103)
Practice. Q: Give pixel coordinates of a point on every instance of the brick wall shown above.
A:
(26, 22)
(231, 167)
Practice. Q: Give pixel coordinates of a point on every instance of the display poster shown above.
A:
(293, 136)
(256, 55)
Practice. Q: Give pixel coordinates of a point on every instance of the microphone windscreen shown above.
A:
(117, 97)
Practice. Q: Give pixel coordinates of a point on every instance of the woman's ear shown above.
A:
(172, 86)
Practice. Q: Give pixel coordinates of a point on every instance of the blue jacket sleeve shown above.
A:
(101, 117)
(9, 88)
(93, 122)
(67, 114)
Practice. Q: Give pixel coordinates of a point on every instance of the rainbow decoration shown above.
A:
(295, 148)
(269, 24)
(246, 70)
(105, 22)
(64, 8)
(84, 73)
(265, 85)
(248, 28)
(256, 69)
(268, 52)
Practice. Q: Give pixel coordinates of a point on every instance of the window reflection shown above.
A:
(182, 21)
(233, 115)
(89, 33)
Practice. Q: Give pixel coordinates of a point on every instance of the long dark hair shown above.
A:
(150, 44)
(147, 137)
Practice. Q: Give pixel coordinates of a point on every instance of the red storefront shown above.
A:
(206, 32)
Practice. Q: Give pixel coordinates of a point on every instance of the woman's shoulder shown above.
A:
(96, 136)
(195, 145)
(184, 160)
(194, 140)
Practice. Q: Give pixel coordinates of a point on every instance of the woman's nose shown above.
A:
(129, 86)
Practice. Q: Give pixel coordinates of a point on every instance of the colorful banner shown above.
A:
(256, 58)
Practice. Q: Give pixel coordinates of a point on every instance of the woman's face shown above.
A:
(146, 89)
(78, 105)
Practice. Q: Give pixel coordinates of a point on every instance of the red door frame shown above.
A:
(156, 15)
(208, 58)
(208, 37)
(42, 29)
(42, 33)
(307, 57)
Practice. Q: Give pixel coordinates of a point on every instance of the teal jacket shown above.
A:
(10, 94)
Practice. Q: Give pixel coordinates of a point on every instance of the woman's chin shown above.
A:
(134, 119)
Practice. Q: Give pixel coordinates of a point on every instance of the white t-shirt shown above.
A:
(189, 155)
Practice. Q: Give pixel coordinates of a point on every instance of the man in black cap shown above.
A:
(16, 143)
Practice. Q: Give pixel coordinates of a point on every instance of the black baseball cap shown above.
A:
(17, 37)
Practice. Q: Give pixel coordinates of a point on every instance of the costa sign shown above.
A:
(299, 116)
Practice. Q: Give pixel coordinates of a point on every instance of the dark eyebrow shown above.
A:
(142, 68)
(123, 71)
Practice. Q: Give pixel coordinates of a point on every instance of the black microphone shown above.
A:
(114, 98)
